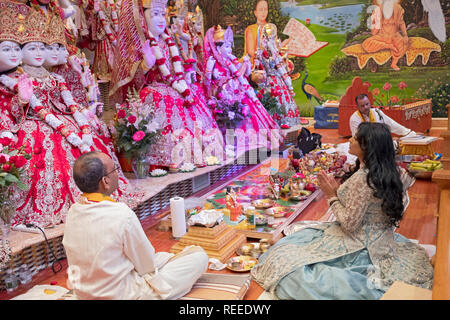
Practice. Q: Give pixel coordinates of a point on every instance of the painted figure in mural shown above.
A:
(151, 63)
(226, 81)
(388, 31)
(253, 33)
(278, 81)
(49, 122)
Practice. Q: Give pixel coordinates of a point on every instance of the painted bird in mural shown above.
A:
(309, 90)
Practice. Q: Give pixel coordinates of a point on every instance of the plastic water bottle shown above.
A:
(24, 274)
(11, 281)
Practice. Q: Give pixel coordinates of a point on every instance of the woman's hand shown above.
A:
(327, 184)
(149, 57)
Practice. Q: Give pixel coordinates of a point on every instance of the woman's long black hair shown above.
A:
(375, 141)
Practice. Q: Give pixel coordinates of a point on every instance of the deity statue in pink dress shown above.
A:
(39, 111)
(226, 82)
(149, 60)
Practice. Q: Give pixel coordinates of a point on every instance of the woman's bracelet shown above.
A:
(332, 200)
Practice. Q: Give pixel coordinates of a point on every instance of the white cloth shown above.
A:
(110, 257)
(380, 117)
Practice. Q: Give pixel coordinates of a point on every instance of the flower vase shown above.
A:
(5, 228)
(141, 166)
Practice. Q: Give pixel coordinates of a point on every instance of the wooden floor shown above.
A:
(419, 222)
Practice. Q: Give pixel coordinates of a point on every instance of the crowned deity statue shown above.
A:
(269, 61)
(39, 111)
(99, 26)
(149, 60)
(226, 81)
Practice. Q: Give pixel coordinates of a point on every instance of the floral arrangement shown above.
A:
(187, 167)
(269, 101)
(158, 173)
(13, 159)
(229, 115)
(211, 161)
(385, 99)
(135, 128)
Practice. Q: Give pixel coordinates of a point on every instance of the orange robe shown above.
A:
(388, 35)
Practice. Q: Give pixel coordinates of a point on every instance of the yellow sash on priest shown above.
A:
(371, 117)
(97, 197)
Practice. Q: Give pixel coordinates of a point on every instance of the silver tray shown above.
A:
(300, 225)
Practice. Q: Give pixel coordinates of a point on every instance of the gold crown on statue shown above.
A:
(12, 22)
(219, 34)
(154, 4)
(56, 30)
(36, 27)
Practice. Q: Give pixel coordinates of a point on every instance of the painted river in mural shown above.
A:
(343, 19)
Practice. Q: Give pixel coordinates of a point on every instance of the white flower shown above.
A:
(153, 126)
(158, 173)
(187, 167)
(231, 115)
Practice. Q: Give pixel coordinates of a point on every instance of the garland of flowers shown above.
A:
(188, 60)
(176, 81)
(114, 16)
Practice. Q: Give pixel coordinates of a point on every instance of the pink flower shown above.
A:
(131, 119)
(121, 114)
(138, 136)
(376, 91)
(5, 141)
(394, 99)
(402, 85)
(367, 83)
(387, 86)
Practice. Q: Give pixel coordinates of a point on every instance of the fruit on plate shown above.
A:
(427, 165)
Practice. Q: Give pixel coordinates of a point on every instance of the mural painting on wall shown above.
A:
(400, 47)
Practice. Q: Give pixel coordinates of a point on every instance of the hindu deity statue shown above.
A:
(99, 26)
(276, 80)
(39, 111)
(226, 81)
(150, 61)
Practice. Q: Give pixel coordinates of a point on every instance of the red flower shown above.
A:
(260, 96)
(138, 136)
(20, 162)
(376, 91)
(12, 159)
(121, 114)
(6, 167)
(37, 149)
(186, 93)
(2, 159)
(5, 141)
(387, 86)
(285, 126)
(265, 54)
(28, 149)
(394, 99)
(40, 164)
(367, 83)
(131, 119)
(402, 85)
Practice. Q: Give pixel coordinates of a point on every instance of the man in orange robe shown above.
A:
(388, 31)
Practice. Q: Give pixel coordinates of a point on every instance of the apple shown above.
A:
(310, 187)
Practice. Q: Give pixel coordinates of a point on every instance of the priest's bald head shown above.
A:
(95, 172)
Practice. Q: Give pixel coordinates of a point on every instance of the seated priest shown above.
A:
(108, 253)
(366, 113)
